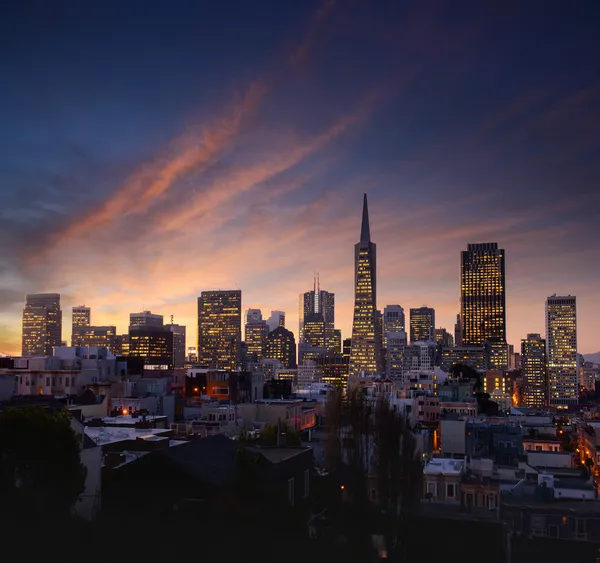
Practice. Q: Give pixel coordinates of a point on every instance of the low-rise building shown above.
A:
(442, 478)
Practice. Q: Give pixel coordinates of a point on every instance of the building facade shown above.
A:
(102, 336)
(178, 344)
(534, 371)
(365, 354)
(393, 321)
(276, 319)
(422, 324)
(483, 295)
(219, 329)
(281, 345)
(42, 324)
(81, 316)
(255, 335)
(316, 316)
(561, 350)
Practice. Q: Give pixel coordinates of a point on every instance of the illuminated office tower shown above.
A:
(561, 350)
(393, 321)
(255, 335)
(483, 294)
(152, 343)
(365, 355)
(316, 305)
(178, 344)
(281, 345)
(81, 316)
(422, 324)
(145, 318)
(220, 329)
(42, 324)
(533, 370)
(100, 336)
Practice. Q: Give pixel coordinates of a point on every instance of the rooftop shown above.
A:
(277, 455)
(103, 435)
(444, 466)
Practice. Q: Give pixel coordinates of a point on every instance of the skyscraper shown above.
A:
(422, 324)
(317, 319)
(101, 336)
(178, 344)
(42, 324)
(150, 340)
(561, 350)
(458, 331)
(276, 319)
(219, 329)
(393, 321)
(366, 344)
(533, 370)
(281, 345)
(81, 316)
(255, 334)
(483, 294)
(145, 318)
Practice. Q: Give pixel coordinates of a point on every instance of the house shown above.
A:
(441, 480)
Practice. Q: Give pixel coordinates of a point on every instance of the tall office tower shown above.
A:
(255, 334)
(561, 350)
(534, 372)
(42, 324)
(219, 329)
(422, 324)
(334, 342)
(316, 304)
(178, 344)
(393, 321)
(81, 316)
(458, 331)
(483, 294)
(443, 338)
(121, 345)
(395, 354)
(276, 319)
(281, 345)
(365, 355)
(346, 349)
(152, 343)
(145, 318)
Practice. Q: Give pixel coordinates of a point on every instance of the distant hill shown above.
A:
(592, 357)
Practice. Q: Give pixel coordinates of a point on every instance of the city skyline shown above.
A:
(138, 182)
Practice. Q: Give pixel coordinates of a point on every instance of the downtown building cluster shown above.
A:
(381, 342)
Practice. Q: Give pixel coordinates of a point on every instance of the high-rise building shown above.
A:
(422, 324)
(317, 309)
(396, 344)
(121, 345)
(42, 324)
(219, 329)
(152, 343)
(458, 331)
(393, 321)
(94, 336)
(483, 294)
(443, 338)
(145, 318)
(561, 350)
(365, 355)
(533, 369)
(281, 345)
(178, 344)
(276, 319)
(255, 335)
(81, 316)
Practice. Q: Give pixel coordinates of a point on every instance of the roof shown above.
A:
(277, 455)
(210, 459)
(103, 435)
(444, 466)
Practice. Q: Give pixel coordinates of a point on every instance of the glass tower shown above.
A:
(422, 324)
(561, 350)
(365, 355)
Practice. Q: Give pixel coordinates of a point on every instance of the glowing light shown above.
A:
(195, 389)
(124, 412)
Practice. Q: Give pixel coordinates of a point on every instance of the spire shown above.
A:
(365, 232)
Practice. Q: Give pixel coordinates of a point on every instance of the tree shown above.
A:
(289, 437)
(40, 470)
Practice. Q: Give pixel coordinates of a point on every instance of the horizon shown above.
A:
(151, 154)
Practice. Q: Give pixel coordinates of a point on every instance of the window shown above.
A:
(291, 491)
(432, 489)
(450, 490)
(306, 482)
(47, 382)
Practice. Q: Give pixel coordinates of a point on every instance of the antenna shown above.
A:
(171, 319)
(318, 283)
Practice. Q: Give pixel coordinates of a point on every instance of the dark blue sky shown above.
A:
(150, 150)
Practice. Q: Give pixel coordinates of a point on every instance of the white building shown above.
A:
(276, 319)
(561, 349)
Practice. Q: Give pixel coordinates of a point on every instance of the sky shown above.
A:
(151, 150)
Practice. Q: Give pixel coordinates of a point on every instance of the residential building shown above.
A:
(281, 345)
(534, 392)
(441, 480)
(483, 295)
(366, 344)
(561, 350)
(42, 324)
(220, 329)
(422, 324)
